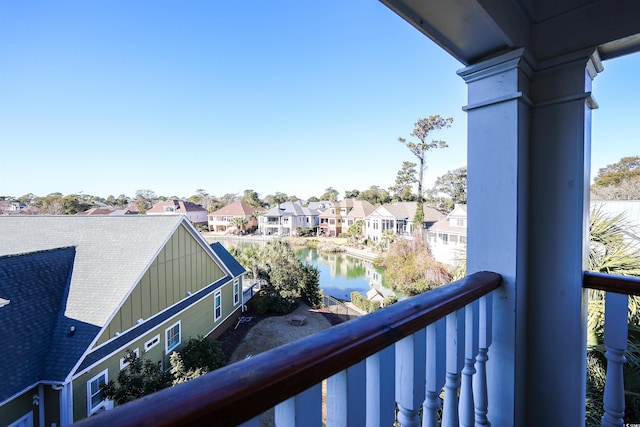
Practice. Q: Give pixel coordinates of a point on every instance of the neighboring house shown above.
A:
(107, 210)
(222, 219)
(398, 217)
(447, 238)
(338, 217)
(77, 291)
(320, 206)
(17, 206)
(98, 211)
(196, 213)
(284, 219)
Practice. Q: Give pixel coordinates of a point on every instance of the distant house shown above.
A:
(222, 219)
(77, 291)
(340, 216)
(447, 238)
(398, 217)
(285, 218)
(196, 213)
(107, 210)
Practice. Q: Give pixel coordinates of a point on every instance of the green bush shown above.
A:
(363, 303)
(202, 353)
(392, 299)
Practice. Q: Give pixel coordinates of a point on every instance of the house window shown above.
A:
(463, 240)
(236, 292)
(459, 222)
(172, 337)
(445, 239)
(152, 343)
(124, 363)
(454, 238)
(94, 391)
(169, 209)
(217, 305)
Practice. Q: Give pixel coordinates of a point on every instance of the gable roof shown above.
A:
(361, 208)
(236, 209)
(181, 206)
(36, 285)
(289, 209)
(407, 210)
(123, 246)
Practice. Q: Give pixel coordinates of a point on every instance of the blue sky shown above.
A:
(112, 96)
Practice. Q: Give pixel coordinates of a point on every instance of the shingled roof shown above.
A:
(123, 246)
(36, 285)
(63, 277)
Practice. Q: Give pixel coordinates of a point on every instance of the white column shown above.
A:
(499, 113)
(528, 177)
(558, 240)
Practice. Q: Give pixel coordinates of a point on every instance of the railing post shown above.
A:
(410, 377)
(615, 342)
(480, 378)
(435, 369)
(381, 388)
(346, 396)
(455, 356)
(302, 410)
(466, 407)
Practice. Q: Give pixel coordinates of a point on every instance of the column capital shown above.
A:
(517, 58)
(499, 79)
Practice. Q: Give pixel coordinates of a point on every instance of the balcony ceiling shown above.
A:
(474, 29)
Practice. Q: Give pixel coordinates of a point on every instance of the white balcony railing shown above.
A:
(402, 356)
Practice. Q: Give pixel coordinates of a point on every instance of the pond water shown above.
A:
(340, 274)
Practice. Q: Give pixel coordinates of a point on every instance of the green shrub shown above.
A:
(202, 353)
(363, 303)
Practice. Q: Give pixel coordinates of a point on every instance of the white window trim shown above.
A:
(168, 350)
(217, 294)
(236, 292)
(28, 418)
(92, 410)
(124, 363)
(152, 343)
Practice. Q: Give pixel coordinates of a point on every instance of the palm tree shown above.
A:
(239, 222)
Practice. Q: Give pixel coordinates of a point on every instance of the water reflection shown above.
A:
(340, 274)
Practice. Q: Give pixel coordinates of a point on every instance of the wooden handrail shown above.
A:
(243, 390)
(612, 283)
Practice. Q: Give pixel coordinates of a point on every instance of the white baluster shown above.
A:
(480, 379)
(466, 407)
(455, 356)
(615, 342)
(304, 409)
(435, 369)
(410, 377)
(346, 396)
(381, 408)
